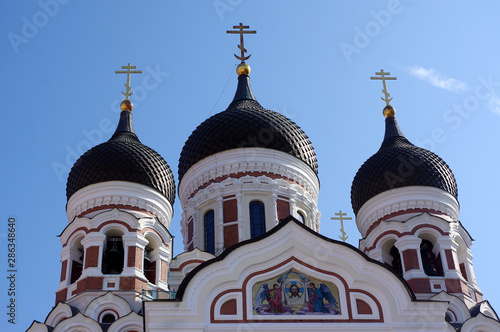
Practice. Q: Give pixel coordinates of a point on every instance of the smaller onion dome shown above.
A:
(122, 158)
(398, 163)
(245, 123)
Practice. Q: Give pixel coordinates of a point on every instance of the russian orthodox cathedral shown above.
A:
(253, 257)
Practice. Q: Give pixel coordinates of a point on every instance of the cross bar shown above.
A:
(341, 216)
(384, 77)
(128, 92)
(241, 32)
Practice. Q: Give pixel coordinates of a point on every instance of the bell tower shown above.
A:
(406, 203)
(120, 196)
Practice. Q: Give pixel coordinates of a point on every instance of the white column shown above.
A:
(184, 228)
(469, 269)
(274, 210)
(93, 240)
(135, 240)
(220, 224)
(447, 243)
(195, 228)
(240, 215)
(165, 255)
(293, 207)
(406, 243)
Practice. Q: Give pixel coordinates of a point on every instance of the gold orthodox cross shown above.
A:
(128, 92)
(241, 46)
(383, 77)
(341, 217)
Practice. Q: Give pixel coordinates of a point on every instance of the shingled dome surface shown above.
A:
(246, 123)
(398, 163)
(122, 158)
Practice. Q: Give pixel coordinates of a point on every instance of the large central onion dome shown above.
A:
(122, 158)
(398, 163)
(245, 123)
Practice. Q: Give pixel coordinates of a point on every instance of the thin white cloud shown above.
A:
(436, 79)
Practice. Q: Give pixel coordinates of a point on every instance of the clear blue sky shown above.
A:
(311, 61)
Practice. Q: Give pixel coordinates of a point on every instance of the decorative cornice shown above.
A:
(405, 199)
(250, 184)
(234, 186)
(118, 193)
(248, 160)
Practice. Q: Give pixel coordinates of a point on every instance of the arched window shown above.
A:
(257, 219)
(150, 257)
(149, 266)
(76, 260)
(208, 221)
(449, 317)
(396, 260)
(108, 318)
(302, 218)
(112, 261)
(431, 264)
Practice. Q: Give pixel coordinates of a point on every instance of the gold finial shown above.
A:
(127, 105)
(241, 46)
(243, 68)
(389, 111)
(128, 92)
(341, 217)
(383, 77)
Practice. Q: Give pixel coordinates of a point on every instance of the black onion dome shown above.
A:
(122, 158)
(398, 163)
(245, 123)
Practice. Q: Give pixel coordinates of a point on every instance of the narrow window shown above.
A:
(77, 267)
(257, 219)
(76, 260)
(209, 232)
(149, 266)
(108, 319)
(112, 262)
(396, 260)
(302, 218)
(431, 264)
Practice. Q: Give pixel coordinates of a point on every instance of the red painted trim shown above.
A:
(87, 231)
(412, 232)
(449, 259)
(214, 302)
(99, 316)
(398, 213)
(192, 261)
(230, 307)
(454, 315)
(63, 270)
(242, 174)
(348, 291)
(363, 308)
(112, 206)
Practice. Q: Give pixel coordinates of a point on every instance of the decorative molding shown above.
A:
(248, 160)
(402, 199)
(129, 322)
(414, 226)
(245, 188)
(59, 312)
(120, 193)
(108, 301)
